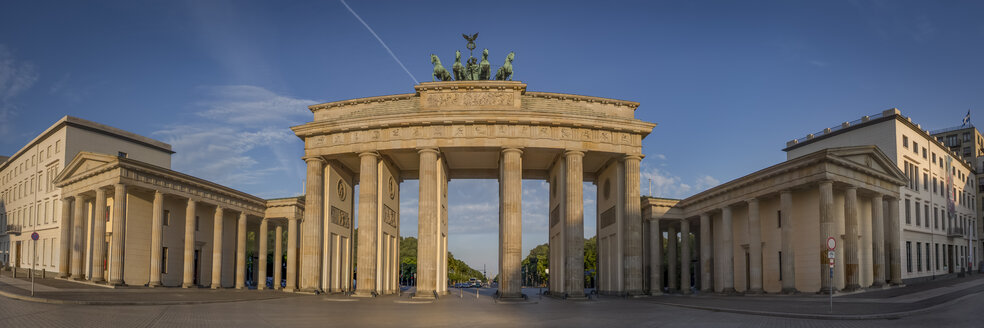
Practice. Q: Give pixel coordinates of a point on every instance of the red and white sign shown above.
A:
(831, 243)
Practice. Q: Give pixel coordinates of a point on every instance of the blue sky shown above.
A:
(728, 82)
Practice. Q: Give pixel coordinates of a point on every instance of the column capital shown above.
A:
(849, 187)
(512, 149)
(785, 192)
(313, 159)
(637, 157)
(752, 200)
(372, 153)
(825, 181)
(422, 150)
(573, 152)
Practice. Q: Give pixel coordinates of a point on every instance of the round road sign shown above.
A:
(831, 243)
(35, 236)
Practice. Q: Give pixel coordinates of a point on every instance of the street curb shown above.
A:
(73, 302)
(879, 316)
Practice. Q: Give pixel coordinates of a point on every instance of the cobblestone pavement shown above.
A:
(320, 311)
(464, 308)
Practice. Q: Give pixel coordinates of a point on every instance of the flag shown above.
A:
(966, 118)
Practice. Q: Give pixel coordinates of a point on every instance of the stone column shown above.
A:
(156, 239)
(217, 228)
(188, 279)
(65, 238)
(574, 252)
(826, 230)
(278, 258)
(511, 227)
(261, 268)
(894, 235)
(706, 251)
(754, 247)
(119, 232)
(851, 267)
(99, 237)
(632, 229)
(291, 254)
(788, 267)
(78, 236)
(727, 251)
(241, 252)
(685, 256)
(427, 222)
(671, 257)
(878, 242)
(368, 224)
(656, 258)
(312, 226)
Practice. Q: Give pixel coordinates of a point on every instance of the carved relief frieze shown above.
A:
(607, 217)
(340, 217)
(468, 99)
(389, 216)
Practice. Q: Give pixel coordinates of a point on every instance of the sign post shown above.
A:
(34, 237)
(831, 245)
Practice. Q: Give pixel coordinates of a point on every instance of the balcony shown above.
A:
(12, 229)
(955, 232)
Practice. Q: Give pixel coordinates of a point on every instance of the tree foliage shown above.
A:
(534, 266)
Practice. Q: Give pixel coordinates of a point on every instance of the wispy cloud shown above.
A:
(16, 76)
(240, 127)
(669, 185)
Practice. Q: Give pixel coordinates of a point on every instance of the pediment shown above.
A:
(82, 163)
(870, 157)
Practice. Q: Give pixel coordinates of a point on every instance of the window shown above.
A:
(934, 184)
(926, 208)
(934, 158)
(57, 146)
(924, 153)
(121, 154)
(905, 141)
(936, 218)
(918, 256)
(167, 218)
(937, 256)
(917, 214)
(908, 256)
(951, 140)
(928, 267)
(915, 147)
(780, 265)
(779, 220)
(908, 212)
(164, 260)
(196, 222)
(966, 136)
(925, 181)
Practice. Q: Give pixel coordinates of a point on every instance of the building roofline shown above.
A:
(90, 126)
(865, 121)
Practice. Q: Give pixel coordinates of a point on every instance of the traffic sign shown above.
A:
(831, 243)
(34, 236)
(831, 254)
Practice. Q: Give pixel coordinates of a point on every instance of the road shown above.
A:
(450, 311)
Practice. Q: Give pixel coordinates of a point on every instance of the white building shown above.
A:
(937, 206)
(29, 202)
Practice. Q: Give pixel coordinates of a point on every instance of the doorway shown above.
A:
(949, 258)
(17, 253)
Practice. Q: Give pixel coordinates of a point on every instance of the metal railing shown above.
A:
(12, 229)
(840, 127)
(955, 128)
(954, 232)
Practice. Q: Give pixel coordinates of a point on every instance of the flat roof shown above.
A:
(94, 127)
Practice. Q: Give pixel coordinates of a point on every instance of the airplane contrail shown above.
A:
(380, 41)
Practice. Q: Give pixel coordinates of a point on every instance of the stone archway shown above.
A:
(471, 129)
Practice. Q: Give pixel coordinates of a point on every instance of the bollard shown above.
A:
(476, 292)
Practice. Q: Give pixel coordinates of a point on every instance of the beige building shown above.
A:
(29, 202)
(898, 203)
(939, 200)
(968, 142)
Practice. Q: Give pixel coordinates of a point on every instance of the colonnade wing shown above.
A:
(774, 224)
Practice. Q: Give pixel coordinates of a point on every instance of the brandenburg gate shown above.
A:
(471, 129)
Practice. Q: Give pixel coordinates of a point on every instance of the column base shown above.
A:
(852, 288)
(878, 285)
(116, 283)
(289, 290)
(755, 291)
(77, 278)
(63, 275)
(656, 293)
(730, 291)
(240, 287)
(187, 285)
(214, 286)
(364, 293)
(98, 281)
(155, 285)
(789, 291)
(425, 295)
(827, 291)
